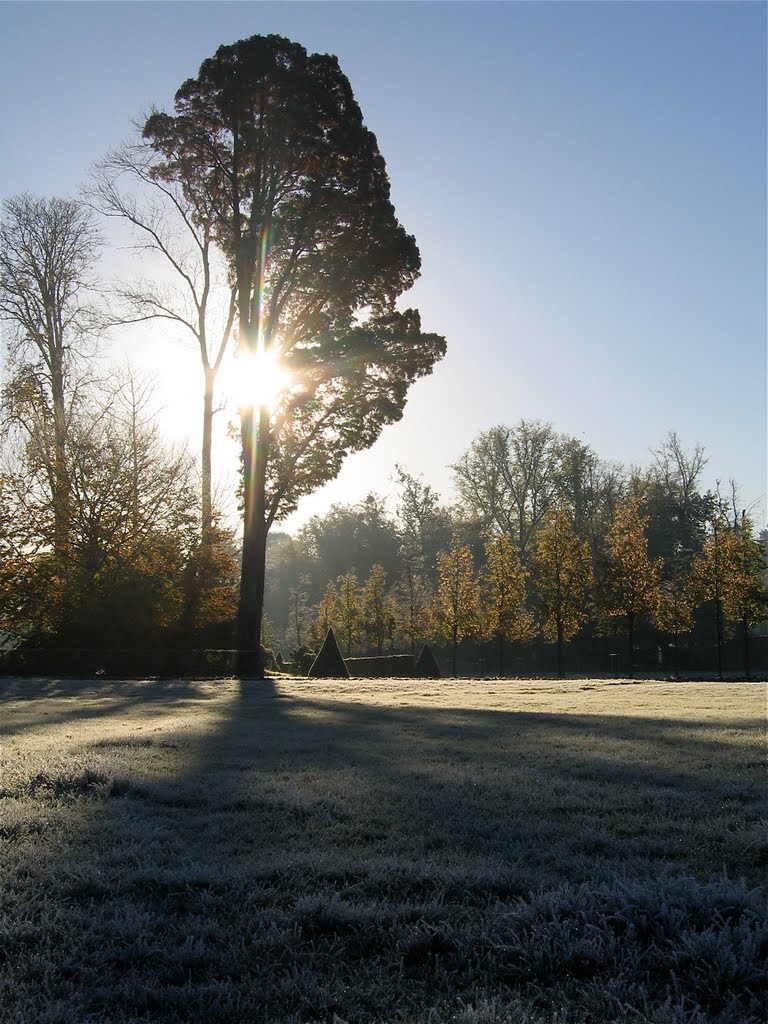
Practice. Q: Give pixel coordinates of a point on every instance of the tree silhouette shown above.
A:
(300, 206)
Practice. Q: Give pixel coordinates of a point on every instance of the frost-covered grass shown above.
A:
(471, 852)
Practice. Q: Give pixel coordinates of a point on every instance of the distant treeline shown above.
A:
(551, 560)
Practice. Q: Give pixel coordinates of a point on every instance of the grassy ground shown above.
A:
(473, 852)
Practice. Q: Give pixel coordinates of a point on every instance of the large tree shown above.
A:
(299, 200)
(48, 250)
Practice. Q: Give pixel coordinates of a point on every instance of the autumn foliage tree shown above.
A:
(378, 613)
(503, 612)
(728, 575)
(563, 570)
(673, 613)
(630, 581)
(413, 599)
(746, 596)
(348, 611)
(456, 606)
(326, 616)
(300, 204)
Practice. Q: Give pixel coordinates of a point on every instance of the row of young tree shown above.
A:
(547, 543)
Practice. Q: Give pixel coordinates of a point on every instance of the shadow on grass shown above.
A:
(305, 856)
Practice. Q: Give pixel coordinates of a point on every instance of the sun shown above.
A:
(258, 380)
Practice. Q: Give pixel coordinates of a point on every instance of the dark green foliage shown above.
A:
(273, 140)
(329, 663)
(116, 663)
(380, 667)
(268, 658)
(426, 664)
(302, 659)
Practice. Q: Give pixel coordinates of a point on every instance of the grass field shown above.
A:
(413, 851)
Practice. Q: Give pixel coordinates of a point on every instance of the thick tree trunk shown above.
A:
(559, 649)
(453, 655)
(255, 438)
(206, 503)
(501, 653)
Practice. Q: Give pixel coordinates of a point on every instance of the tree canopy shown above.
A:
(270, 142)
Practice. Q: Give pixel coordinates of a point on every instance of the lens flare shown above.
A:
(260, 379)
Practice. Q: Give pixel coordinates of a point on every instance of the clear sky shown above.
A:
(586, 182)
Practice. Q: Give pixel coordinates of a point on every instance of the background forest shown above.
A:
(549, 559)
(264, 233)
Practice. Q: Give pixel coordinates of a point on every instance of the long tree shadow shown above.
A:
(286, 852)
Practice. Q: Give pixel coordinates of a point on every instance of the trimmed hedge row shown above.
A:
(93, 663)
(399, 665)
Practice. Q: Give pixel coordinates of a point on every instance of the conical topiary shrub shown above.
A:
(329, 663)
(426, 664)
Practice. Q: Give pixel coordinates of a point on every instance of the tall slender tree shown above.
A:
(413, 600)
(503, 611)
(456, 608)
(300, 206)
(348, 610)
(378, 615)
(673, 613)
(630, 582)
(563, 571)
(176, 225)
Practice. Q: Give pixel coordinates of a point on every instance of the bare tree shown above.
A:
(175, 225)
(48, 248)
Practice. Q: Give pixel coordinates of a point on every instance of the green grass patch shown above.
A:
(400, 850)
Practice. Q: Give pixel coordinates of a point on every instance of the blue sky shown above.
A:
(586, 182)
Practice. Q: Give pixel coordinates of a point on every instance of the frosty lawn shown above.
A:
(392, 851)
